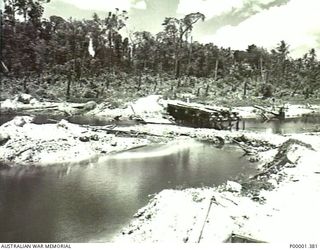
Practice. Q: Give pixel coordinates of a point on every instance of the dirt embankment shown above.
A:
(26, 143)
(279, 205)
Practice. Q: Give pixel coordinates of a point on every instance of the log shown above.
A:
(212, 200)
(52, 107)
(246, 149)
(22, 151)
(134, 113)
(265, 110)
(280, 115)
(131, 133)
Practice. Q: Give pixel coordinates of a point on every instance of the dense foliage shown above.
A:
(94, 52)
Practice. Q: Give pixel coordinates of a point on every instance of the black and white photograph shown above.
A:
(160, 122)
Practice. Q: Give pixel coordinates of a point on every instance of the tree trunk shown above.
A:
(177, 68)
(139, 81)
(261, 71)
(245, 89)
(177, 59)
(216, 70)
(198, 92)
(189, 57)
(207, 89)
(69, 86)
(25, 88)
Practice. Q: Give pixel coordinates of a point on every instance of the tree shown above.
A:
(311, 73)
(279, 62)
(28, 9)
(178, 30)
(257, 58)
(111, 26)
(22, 38)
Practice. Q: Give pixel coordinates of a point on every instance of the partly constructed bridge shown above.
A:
(203, 116)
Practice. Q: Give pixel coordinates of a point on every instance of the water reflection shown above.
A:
(82, 204)
(304, 124)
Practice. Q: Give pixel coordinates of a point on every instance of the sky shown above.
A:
(229, 23)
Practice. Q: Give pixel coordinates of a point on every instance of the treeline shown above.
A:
(75, 50)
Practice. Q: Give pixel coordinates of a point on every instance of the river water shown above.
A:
(308, 123)
(92, 203)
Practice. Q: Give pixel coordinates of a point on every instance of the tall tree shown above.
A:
(180, 29)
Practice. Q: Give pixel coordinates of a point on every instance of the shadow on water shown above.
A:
(307, 123)
(93, 202)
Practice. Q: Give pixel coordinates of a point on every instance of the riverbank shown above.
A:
(26, 143)
(150, 108)
(277, 206)
(263, 208)
(49, 144)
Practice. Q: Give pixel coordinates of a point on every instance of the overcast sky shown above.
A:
(229, 23)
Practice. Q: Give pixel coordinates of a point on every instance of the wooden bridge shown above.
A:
(203, 116)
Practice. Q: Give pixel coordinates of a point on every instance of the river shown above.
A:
(92, 203)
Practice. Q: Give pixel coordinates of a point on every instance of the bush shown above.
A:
(89, 94)
(267, 90)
